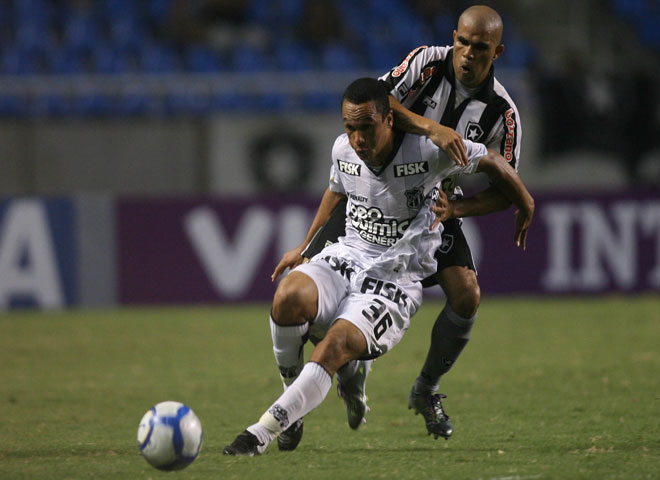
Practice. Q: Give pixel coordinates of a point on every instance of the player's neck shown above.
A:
(384, 155)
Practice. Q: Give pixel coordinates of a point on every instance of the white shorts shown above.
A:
(380, 308)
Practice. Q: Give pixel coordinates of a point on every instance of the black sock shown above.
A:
(449, 336)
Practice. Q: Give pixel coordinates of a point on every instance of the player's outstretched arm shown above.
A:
(444, 137)
(509, 183)
(293, 258)
(487, 201)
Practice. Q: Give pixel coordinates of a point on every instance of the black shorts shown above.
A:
(454, 252)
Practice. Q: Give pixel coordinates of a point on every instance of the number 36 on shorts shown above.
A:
(378, 315)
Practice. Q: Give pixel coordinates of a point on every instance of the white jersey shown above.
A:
(388, 214)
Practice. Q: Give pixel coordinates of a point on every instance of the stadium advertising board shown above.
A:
(224, 249)
(37, 253)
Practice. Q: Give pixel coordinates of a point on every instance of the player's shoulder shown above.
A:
(420, 56)
(501, 95)
(426, 53)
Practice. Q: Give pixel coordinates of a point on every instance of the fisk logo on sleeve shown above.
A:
(349, 168)
(415, 168)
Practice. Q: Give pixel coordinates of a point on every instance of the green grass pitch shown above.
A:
(547, 389)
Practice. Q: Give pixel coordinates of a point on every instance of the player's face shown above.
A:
(475, 48)
(368, 132)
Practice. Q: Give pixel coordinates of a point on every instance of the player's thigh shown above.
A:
(462, 289)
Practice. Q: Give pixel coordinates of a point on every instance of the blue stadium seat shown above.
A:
(336, 56)
(409, 31)
(293, 56)
(158, 58)
(21, 61)
(130, 102)
(291, 11)
(321, 102)
(159, 11)
(32, 11)
(188, 103)
(91, 104)
(650, 31)
(31, 36)
(250, 59)
(109, 59)
(631, 9)
(64, 61)
(199, 58)
(118, 8)
(126, 32)
(273, 102)
(12, 106)
(224, 102)
(81, 30)
(53, 105)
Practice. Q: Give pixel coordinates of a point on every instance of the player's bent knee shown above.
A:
(295, 300)
(465, 301)
(330, 354)
(342, 343)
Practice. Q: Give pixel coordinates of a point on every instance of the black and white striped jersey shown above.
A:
(425, 83)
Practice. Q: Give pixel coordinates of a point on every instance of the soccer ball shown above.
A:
(170, 436)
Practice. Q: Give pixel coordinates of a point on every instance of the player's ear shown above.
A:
(498, 50)
(389, 119)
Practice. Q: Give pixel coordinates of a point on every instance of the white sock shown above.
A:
(288, 342)
(304, 395)
(264, 436)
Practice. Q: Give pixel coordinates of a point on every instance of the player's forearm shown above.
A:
(329, 202)
(507, 181)
(408, 121)
(482, 203)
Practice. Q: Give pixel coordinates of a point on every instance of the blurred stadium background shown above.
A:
(168, 151)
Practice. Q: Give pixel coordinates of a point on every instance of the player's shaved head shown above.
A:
(483, 18)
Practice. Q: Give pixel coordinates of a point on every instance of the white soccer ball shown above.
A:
(170, 436)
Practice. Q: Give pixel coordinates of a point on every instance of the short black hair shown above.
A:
(368, 89)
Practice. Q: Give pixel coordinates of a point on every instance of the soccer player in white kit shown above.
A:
(356, 297)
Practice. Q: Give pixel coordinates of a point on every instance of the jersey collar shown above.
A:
(398, 140)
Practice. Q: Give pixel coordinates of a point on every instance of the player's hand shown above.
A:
(290, 259)
(451, 142)
(523, 221)
(442, 208)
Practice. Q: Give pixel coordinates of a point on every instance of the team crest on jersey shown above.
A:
(349, 168)
(414, 168)
(473, 131)
(414, 197)
(447, 242)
